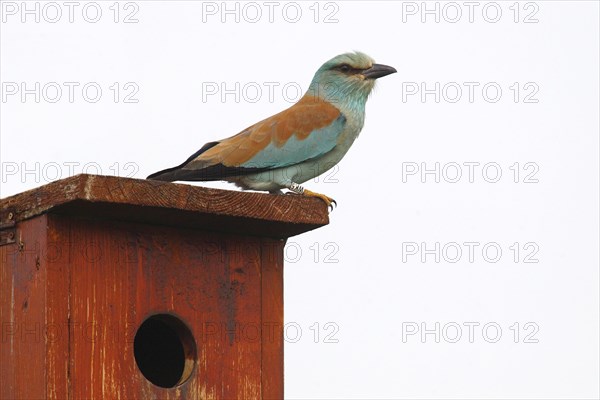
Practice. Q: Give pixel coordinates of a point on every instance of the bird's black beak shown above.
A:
(378, 71)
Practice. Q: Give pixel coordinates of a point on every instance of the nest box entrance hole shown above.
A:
(165, 350)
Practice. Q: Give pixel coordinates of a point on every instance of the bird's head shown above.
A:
(349, 77)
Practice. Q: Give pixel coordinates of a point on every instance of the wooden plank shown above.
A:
(272, 318)
(8, 334)
(57, 263)
(237, 347)
(22, 314)
(173, 204)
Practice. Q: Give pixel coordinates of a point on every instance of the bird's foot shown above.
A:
(331, 203)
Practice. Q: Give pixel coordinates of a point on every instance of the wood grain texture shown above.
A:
(272, 317)
(96, 256)
(23, 314)
(258, 214)
(55, 261)
(228, 290)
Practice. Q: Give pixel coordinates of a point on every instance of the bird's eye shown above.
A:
(344, 68)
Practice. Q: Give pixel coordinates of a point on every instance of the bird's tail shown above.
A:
(177, 173)
(203, 172)
(166, 175)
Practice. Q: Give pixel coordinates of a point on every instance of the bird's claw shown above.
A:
(331, 203)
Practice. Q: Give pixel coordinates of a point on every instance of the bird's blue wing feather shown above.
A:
(294, 150)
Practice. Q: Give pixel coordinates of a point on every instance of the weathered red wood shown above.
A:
(22, 314)
(160, 270)
(96, 256)
(173, 204)
(55, 260)
(272, 318)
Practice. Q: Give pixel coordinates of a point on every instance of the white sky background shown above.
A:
(371, 294)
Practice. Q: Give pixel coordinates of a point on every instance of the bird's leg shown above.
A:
(294, 187)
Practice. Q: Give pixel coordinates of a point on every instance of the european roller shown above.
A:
(297, 144)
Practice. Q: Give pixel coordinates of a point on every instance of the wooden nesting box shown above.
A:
(133, 289)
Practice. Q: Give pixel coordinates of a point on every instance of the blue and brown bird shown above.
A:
(297, 144)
